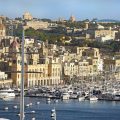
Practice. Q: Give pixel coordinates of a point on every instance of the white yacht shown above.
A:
(7, 93)
(65, 96)
(93, 98)
(81, 98)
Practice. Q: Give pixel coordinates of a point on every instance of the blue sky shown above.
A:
(53, 9)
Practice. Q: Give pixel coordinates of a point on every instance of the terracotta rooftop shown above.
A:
(14, 44)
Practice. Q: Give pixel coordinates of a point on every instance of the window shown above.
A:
(14, 61)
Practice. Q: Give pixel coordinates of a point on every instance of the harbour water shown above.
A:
(65, 110)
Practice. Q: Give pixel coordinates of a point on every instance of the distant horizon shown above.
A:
(54, 9)
(77, 19)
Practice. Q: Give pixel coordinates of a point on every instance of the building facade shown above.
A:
(36, 25)
(27, 16)
(2, 30)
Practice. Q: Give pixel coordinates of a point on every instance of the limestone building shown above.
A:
(2, 29)
(103, 33)
(36, 24)
(37, 73)
(72, 18)
(27, 16)
(84, 62)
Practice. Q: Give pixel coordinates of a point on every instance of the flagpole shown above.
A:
(22, 81)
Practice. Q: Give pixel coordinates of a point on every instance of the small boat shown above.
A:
(81, 98)
(27, 105)
(33, 118)
(93, 98)
(53, 114)
(6, 108)
(38, 103)
(15, 107)
(65, 96)
(73, 96)
(7, 93)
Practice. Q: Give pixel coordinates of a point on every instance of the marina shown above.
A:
(65, 110)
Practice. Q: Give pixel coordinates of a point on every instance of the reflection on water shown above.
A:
(8, 98)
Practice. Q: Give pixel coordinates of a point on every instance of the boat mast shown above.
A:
(92, 83)
(22, 81)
